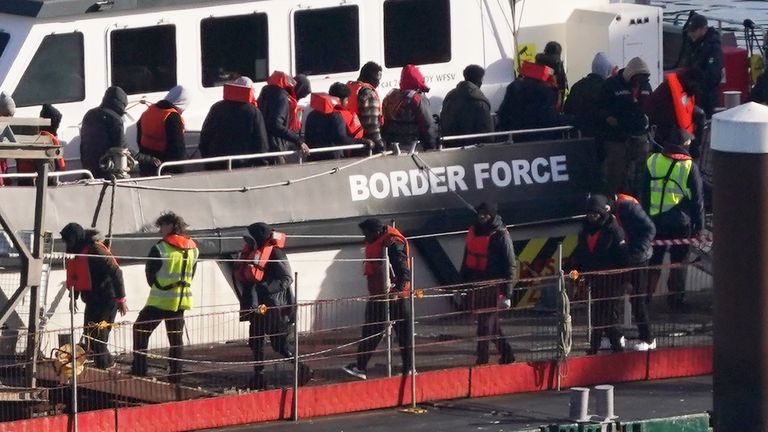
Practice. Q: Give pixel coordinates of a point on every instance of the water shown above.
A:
(735, 11)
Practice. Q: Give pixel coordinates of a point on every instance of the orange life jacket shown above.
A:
(153, 128)
(375, 251)
(621, 198)
(78, 272)
(327, 104)
(477, 250)
(683, 112)
(323, 102)
(287, 83)
(253, 270)
(239, 93)
(354, 90)
(539, 72)
(28, 165)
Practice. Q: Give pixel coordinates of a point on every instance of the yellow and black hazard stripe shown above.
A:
(536, 258)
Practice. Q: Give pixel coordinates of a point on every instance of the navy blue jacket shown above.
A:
(529, 104)
(618, 101)
(639, 230)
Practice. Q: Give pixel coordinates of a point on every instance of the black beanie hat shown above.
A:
(260, 232)
(597, 204)
(490, 207)
(371, 224)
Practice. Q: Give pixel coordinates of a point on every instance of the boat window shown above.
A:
(327, 40)
(416, 32)
(55, 74)
(144, 59)
(4, 38)
(234, 46)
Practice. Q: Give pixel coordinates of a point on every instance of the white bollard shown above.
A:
(731, 98)
(604, 401)
(579, 408)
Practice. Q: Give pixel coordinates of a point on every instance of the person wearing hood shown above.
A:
(554, 50)
(279, 101)
(266, 278)
(407, 114)
(673, 105)
(490, 255)
(702, 49)
(331, 123)
(102, 129)
(160, 130)
(94, 276)
(234, 126)
(466, 110)
(169, 272)
(673, 197)
(601, 246)
(364, 101)
(584, 98)
(531, 101)
(623, 127)
(381, 239)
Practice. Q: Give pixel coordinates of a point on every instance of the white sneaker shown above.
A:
(623, 341)
(645, 346)
(354, 371)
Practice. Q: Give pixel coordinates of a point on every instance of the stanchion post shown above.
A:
(589, 313)
(560, 288)
(296, 346)
(73, 355)
(412, 329)
(388, 328)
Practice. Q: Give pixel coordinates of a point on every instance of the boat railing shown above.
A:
(509, 134)
(230, 159)
(80, 172)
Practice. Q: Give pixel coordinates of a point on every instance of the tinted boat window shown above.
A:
(4, 38)
(327, 40)
(234, 46)
(416, 32)
(144, 59)
(55, 74)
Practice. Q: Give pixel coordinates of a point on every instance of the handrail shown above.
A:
(332, 149)
(84, 172)
(227, 159)
(506, 133)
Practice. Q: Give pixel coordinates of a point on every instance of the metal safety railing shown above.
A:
(55, 174)
(509, 134)
(552, 318)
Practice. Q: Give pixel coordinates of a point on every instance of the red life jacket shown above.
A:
(287, 83)
(683, 112)
(239, 93)
(354, 127)
(539, 72)
(253, 270)
(592, 240)
(620, 198)
(153, 128)
(28, 165)
(327, 104)
(78, 272)
(323, 102)
(375, 251)
(354, 89)
(477, 250)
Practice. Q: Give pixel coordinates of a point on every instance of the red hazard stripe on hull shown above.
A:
(384, 393)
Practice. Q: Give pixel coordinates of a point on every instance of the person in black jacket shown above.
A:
(102, 130)
(490, 255)
(98, 281)
(234, 126)
(584, 99)
(160, 131)
(673, 176)
(554, 50)
(601, 247)
(278, 101)
(267, 283)
(331, 124)
(623, 127)
(466, 110)
(407, 113)
(639, 232)
(531, 102)
(702, 49)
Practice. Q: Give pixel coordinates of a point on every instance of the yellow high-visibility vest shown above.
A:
(669, 182)
(172, 290)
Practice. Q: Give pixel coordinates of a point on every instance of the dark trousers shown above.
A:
(677, 255)
(488, 324)
(624, 165)
(639, 298)
(97, 338)
(606, 299)
(376, 323)
(273, 325)
(146, 323)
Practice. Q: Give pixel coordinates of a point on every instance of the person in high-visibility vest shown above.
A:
(94, 276)
(266, 279)
(381, 239)
(489, 254)
(674, 199)
(169, 270)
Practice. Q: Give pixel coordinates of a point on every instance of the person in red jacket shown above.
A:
(381, 239)
(94, 276)
(407, 114)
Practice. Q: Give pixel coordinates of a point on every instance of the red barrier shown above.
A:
(384, 393)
